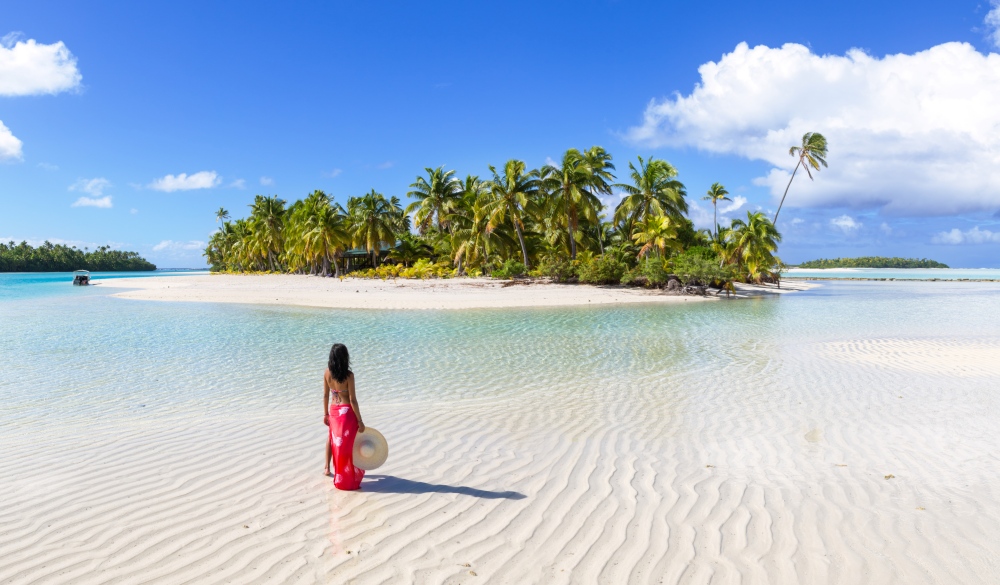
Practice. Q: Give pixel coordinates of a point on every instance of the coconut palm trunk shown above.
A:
(775, 220)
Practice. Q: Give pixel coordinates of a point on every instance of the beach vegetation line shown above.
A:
(49, 257)
(872, 262)
(550, 222)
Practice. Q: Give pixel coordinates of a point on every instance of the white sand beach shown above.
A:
(363, 293)
(818, 461)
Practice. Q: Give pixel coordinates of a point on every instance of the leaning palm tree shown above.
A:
(375, 221)
(509, 193)
(221, 215)
(812, 153)
(434, 196)
(655, 190)
(715, 194)
(655, 232)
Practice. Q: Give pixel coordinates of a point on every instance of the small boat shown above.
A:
(81, 278)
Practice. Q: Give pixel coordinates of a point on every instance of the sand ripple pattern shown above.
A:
(706, 444)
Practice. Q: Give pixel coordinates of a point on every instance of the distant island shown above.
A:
(872, 262)
(51, 257)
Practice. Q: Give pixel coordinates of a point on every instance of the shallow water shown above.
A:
(888, 376)
(897, 273)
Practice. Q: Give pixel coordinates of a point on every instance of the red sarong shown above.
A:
(343, 430)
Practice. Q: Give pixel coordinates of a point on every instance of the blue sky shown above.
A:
(283, 98)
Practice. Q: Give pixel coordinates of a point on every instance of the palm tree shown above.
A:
(812, 154)
(319, 232)
(752, 244)
(654, 191)
(267, 218)
(574, 185)
(375, 221)
(434, 196)
(715, 194)
(473, 239)
(509, 194)
(655, 232)
(221, 215)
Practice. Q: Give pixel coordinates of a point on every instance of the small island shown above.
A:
(872, 262)
(51, 257)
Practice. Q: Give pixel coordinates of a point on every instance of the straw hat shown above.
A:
(370, 449)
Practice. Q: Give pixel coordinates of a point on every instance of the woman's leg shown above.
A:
(329, 456)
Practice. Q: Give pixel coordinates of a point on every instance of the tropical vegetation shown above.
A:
(872, 262)
(516, 221)
(50, 257)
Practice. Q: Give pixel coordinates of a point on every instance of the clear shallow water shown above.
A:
(80, 352)
(28, 285)
(898, 273)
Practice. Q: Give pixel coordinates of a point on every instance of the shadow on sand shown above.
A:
(388, 484)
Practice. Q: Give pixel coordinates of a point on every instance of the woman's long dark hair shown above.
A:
(340, 362)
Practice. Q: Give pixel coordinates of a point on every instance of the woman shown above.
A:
(343, 417)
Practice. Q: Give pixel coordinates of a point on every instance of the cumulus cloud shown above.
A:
(973, 236)
(846, 224)
(10, 146)
(737, 202)
(172, 246)
(95, 186)
(102, 202)
(910, 134)
(993, 22)
(32, 68)
(266, 181)
(185, 182)
(239, 184)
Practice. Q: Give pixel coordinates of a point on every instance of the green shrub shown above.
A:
(509, 269)
(698, 268)
(602, 270)
(651, 271)
(556, 268)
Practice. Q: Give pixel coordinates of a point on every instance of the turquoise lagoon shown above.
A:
(78, 351)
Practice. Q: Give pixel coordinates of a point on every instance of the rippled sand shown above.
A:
(701, 444)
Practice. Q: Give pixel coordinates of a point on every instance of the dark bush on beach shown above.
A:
(604, 269)
(509, 269)
(51, 257)
(649, 272)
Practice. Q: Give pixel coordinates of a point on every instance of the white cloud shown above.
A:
(973, 236)
(886, 228)
(239, 184)
(797, 221)
(95, 186)
(912, 134)
(102, 202)
(737, 202)
(10, 146)
(266, 181)
(133, 211)
(334, 173)
(172, 246)
(185, 182)
(993, 22)
(387, 165)
(48, 166)
(846, 224)
(31, 68)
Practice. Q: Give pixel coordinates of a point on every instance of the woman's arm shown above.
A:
(354, 403)
(326, 401)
